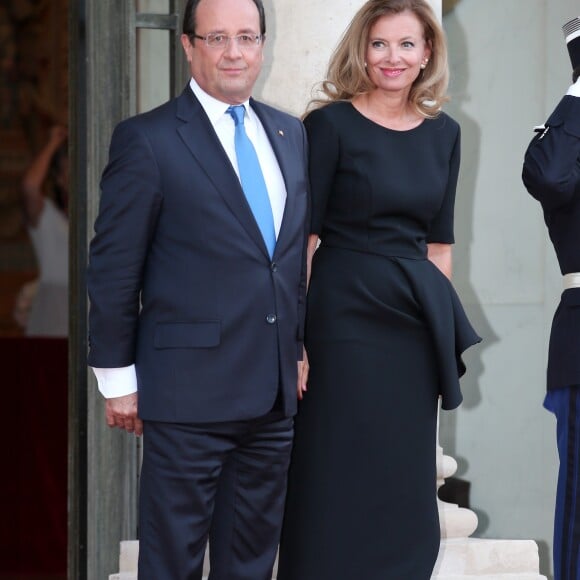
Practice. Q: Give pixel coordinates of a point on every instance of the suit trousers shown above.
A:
(565, 404)
(222, 481)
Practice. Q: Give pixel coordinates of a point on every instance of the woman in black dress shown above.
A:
(385, 330)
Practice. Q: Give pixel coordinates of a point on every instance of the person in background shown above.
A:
(197, 282)
(551, 174)
(385, 329)
(47, 222)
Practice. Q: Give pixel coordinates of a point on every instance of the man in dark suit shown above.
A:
(552, 175)
(197, 283)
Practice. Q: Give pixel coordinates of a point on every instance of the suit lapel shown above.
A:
(199, 136)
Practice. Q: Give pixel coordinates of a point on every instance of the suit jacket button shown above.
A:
(274, 267)
(271, 318)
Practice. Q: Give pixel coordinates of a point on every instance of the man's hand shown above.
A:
(122, 412)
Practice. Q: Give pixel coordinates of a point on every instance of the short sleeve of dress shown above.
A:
(441, 229)
(323, 143)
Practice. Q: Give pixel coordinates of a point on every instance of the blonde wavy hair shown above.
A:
(347, 76)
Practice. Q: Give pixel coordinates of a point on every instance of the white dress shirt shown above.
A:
(117, 382)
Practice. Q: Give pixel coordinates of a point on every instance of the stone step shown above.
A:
(133, 576)
(489, 577)
(466, 557)
(459, 559)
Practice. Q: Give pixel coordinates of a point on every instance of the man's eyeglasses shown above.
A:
(217, 40)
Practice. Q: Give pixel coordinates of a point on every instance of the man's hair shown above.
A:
(189, 22)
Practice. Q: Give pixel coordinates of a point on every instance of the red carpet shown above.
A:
(33, 488)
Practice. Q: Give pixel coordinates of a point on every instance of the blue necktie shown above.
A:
(252, 179)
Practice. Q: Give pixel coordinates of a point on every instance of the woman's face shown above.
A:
(395, 51)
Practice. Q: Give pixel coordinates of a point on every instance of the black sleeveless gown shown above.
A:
(384, 334)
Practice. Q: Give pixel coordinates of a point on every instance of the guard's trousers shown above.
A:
(565, 404)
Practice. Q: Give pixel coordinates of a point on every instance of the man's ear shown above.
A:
(187, 46)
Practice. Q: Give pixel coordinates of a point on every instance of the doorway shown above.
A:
(34, 116)
(125, 58)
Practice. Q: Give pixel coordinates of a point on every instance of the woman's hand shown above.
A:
(440, 255)
(303, 369)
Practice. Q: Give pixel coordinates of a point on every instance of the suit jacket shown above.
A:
(551, 174)
(180, 281)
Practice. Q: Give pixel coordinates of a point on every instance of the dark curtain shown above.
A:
(33, 488)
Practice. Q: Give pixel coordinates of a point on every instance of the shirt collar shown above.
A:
(213, 107)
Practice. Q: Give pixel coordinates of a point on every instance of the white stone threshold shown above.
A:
(465, 558)
(459, 559)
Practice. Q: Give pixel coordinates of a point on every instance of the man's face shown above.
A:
(227, 73)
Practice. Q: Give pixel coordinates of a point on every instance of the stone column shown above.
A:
(465, 558)
(300, 38)
(301, 35)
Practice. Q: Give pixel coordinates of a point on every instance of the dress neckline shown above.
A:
(402, 131)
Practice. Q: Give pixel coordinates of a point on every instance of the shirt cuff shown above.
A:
(574, 89)
(116, 382)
